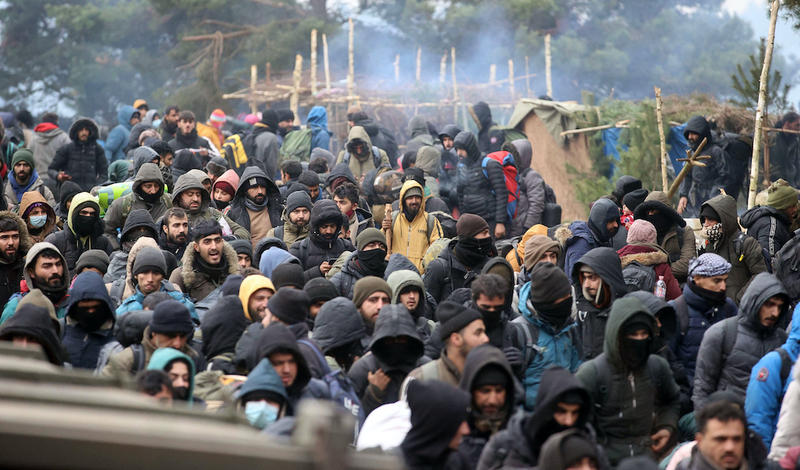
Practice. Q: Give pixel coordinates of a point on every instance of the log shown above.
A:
(269, 72)
(253, 82)
(443, 69)
(295, 98)
(419, 64)
(511, 78)
(547, 65)
(351, 73)
(662, 139)
(455, 84)
(326, 63)
(762, 100)
(692, 160)
(313, 61)
(527, 77)
(622, 124)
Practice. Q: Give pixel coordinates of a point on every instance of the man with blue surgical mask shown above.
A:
(263, 396)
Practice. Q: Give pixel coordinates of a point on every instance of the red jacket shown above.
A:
(652, 255)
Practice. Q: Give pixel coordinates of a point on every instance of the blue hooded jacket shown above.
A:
(82, 346)
(590, 234)
(765, 391)
(163, 356)
(318, 122)
(134, 301)
(274, 257)
(263, 378)
(118, 137)
(553, 348)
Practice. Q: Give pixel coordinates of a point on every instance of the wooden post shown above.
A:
(547, 61)
(297, 76)
(660, 120)
(326, 63)
(443, 69)
(693, 159)
(511, 78)
(351, 73)
(419, 64)
(455, 84)
(387, 214)
(313, 62)
(767, 176)
(397, 68)
(762, 99)
(492, 74)
(253, 82)
(269, 72)
(527, 77)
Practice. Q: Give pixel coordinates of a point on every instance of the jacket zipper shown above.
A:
(632, 381)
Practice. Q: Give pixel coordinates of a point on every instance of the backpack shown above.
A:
(738, 249)
(433, 251)
(639, 277)
(376, 157)
(296, 146)
(528, 336)
(447, 222)
(603, 378)
(787, 266)
(340, 386)
(786, 364)
(506, 161)
(430, 222)
(115, 347)
(234, 152)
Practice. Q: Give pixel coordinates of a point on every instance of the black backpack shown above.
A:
(738, 249)
(787, 266)
(639, 277)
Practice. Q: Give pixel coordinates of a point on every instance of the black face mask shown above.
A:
(715, 298)
(394, 354)
(472, 251)
(556, 314)
(84, 224)
(635, 352)
(221, 204)
(661, 222)
(180, 393)
(491, 317)
(89, 320)
(149, 198)
(374, 261)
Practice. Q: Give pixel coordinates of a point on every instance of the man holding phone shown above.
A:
(323, 245)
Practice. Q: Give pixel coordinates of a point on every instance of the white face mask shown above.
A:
(260, 414)
(38, 221)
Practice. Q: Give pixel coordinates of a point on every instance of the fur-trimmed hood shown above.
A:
(25, 241)
(646, 255)
(192, 278)
(142, 242)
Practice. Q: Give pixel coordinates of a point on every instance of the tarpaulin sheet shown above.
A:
(677, 146)
(556, 116)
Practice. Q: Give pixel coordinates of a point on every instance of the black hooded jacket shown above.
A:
(770, 226)
(482, 115)
(222, 327)
(446, 273)
(315, 249)
(83, 345)
(702, 183)
(188, 141)
(33, 321)
(394, 321)
(338, 324)
(477, 193)
(238, 211)
(85, 162)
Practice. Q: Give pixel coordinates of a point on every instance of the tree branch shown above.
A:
(277, 4)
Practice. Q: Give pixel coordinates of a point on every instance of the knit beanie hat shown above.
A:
(205, 228)
(171, 316)
(224, 186)
(285, 114)
(308, 178)
(453, 317)
(548, 283)
(708, 265)
(97, 259)
(242, 247)
(23, 155)
(149, 259)
(367, 286)
(708, 212)
(469, 225)
(368, 236)
(290, 305)
(217, 166)
(780, 194)
(491, 374)
(634, 198)
(642, 231)
(298, 199)
(217, 118)
(320, 289)
(576, 447)
(288, 274)
(413, 191)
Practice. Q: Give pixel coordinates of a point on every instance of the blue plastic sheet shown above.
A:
(677, 146)
(611, 145)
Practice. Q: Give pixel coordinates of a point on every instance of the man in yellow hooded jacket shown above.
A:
(84, 230)
(413, 229)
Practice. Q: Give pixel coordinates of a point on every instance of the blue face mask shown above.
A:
(38, 221)
(156, 123)
(260, 414)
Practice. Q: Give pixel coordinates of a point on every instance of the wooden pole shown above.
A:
(511, 78)
(294, 101)
(547, 62)
(387, 233)
(313, 62)
(762, 99)
(397, 68)
(443, 69)
(661, 138)
(419, 64)
(492, 74)
(351, 73)
(693, 159)
(253, 82)
(269, 72)
(326, 63)
(527, 77)
(596, 128)
(455, 84)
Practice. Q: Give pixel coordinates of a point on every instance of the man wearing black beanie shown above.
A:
(296, 217)
(546, 308)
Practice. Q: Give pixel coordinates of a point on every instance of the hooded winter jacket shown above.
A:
(591, 318)
(205, 212)
(419, 136)
(139, 219)
(651, 255)
(747, 261)
(410, 238)
(83, 161)
(289, 232)
(118, 137)
(123, 364)
(630, 405)
(11, 271)
(222, 327)
(487, 135)
(69, 243)
(380, 136)
(520, 444)
(590, 234)
(82, 344)
(36, 323)
(47, 139)
(787, 433)
(478, 193)
(27, 285)
(394, 321)
(197, 283)
(162, 357)
(317, 121)
(243, 210)
(446, 273)
(531, 191)
(555, 346)
(263, 379)
(766, 389)
(315, 249)
(360, 166)
(703, 183)
(770, 226)
(118, 212)
(720, 370)
(340, 324)
(25, 206)
(672, 234)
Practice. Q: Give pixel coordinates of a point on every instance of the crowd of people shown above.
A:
(429, 289)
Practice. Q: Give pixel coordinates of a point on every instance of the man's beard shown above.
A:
(179, 239)
(23, 178)
(259, 198)
(6, 258)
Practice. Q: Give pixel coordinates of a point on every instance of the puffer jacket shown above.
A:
(117, 138)
(531, 191)
(85, 162)
(632, 404)
(701, 315)
(361, 167)
(477, 194)
(347, 277)
(554, 347)
(205, 212)
(765, 390)
(787, 433)
(651, 255)
(589, 234)
(717, 370)
(72, 246)
(196, 283)
(745, 264)
(703, 182)
(770, 226)
(318, 123)
(119, 209)
(411, 238)
(673, 235)
(315, 249)
(591, 318)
